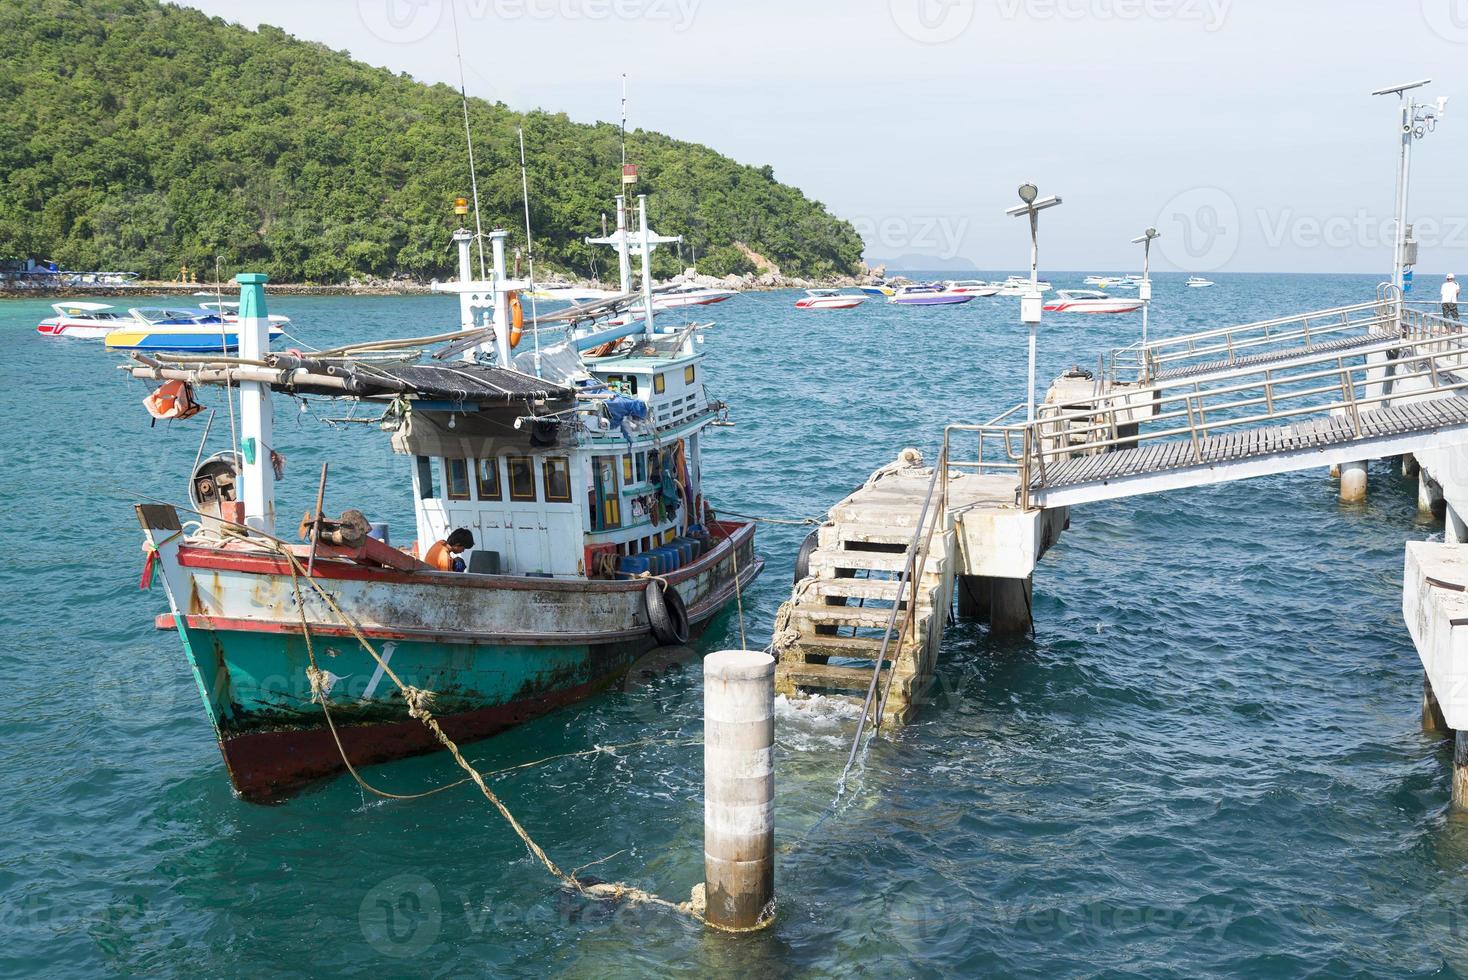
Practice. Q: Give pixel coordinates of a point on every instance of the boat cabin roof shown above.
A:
(65, 308)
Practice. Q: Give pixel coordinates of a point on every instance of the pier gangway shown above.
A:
(1327, 388)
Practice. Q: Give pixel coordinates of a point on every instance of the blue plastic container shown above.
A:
(672, 560)
(634, 564)
(687, 549)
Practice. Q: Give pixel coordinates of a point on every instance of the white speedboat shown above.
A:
(231, 313)
(1090, 301)
(1019, 285)
(928, 295)
(1198, 282)
(972, 287)
(878, 289)
(85, 321)
(569, 294)
(179, 330)
(828, 299)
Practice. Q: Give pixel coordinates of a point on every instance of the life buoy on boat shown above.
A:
(172, 400)
(666, 613)
(517, 320)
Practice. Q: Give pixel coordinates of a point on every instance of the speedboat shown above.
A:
(690, 296)
(1198, 282)
(231, 312)
(928, 295)
(570, 294)
(1019, 285)
(86, 321)
(828, 299)
(1090, 301)
(187, 330)
(880, 289)
(972, 287)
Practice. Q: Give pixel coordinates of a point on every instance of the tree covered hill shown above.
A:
(140, 136)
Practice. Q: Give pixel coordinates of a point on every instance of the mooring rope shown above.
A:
(419, 702)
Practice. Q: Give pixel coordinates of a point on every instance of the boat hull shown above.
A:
(949, 300)
(494, 651)
(180, 340)
(76, 331)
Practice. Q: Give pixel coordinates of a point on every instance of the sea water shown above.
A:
(1207, 760)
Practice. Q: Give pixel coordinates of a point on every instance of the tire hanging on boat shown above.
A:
(666, 613)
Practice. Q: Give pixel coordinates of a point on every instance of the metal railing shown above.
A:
(1429, 356)
(1302, 331)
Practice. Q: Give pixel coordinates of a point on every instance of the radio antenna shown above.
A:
(468, 138)
(529, 251)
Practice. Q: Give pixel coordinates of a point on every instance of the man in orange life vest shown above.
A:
(444, 555)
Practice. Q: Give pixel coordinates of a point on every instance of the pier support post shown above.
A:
(973, 597)
(1009, 606)
(1460, 771)
(1353, 482)
(1409, 465)
(1432, 712)
(1429, 496)
(1455, 531)
(739, 789)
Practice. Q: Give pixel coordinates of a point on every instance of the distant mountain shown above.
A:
(913, 262)
(141, 136)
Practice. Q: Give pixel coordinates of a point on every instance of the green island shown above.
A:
(145, 137)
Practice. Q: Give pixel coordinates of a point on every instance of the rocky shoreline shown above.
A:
(752, 282)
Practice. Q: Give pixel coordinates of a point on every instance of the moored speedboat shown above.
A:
(574, 467)
(84, 321)
(878, 289)
(1020, 285)
(972, 287)
(231, 313)
(828, 299)
(179, 331)
(1089, 301)
(1198, 282)
(928, 295)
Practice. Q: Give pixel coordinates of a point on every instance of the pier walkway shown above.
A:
(878, 580)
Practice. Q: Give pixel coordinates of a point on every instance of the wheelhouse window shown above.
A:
(626, 382)
(659, 383)
(456, 478)
(487, 475)
(557, 480)
(689, 374)
(426, 489)
(642, 467)
(627, 469)
(522, 477)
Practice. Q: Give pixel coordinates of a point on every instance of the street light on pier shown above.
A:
(1418, 119)
(1031, 303)
(1144, 291)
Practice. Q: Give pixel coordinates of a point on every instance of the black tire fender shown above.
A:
(802, 557)
(666, 613)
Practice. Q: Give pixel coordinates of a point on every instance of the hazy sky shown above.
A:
(1242, 129)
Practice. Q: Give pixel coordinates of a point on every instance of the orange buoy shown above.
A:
(517, 320)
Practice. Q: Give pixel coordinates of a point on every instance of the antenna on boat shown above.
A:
(468, 138)
(529, 250)
(624, 119)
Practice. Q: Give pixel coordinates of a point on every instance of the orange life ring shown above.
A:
(517, 320)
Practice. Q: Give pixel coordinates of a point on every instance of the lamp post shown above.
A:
(1418, 119)
(1031, 303)
(1144, 291)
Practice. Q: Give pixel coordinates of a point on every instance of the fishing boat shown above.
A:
(84, 321)
(828, 299)
(1198, 282)
(179, 331)
(571, 455)
(1090, 301)
(1020, 285)
(972, 287)
(929, 294)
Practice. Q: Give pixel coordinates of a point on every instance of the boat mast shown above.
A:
(256, 421)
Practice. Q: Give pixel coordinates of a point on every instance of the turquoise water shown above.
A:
(1207, 761)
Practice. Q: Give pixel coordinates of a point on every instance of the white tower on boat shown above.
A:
(483, 303)
(256, 421)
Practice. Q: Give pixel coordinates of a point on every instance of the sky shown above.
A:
(1243, 130)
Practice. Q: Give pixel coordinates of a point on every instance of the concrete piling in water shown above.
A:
(739, 789)
(1432, 712)
(1353, 482)
(1009, 606)
(1409, 465)
(1429, 496)
(1460, 771)
(973, 597)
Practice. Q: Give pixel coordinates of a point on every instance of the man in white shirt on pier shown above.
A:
(1450, 297)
